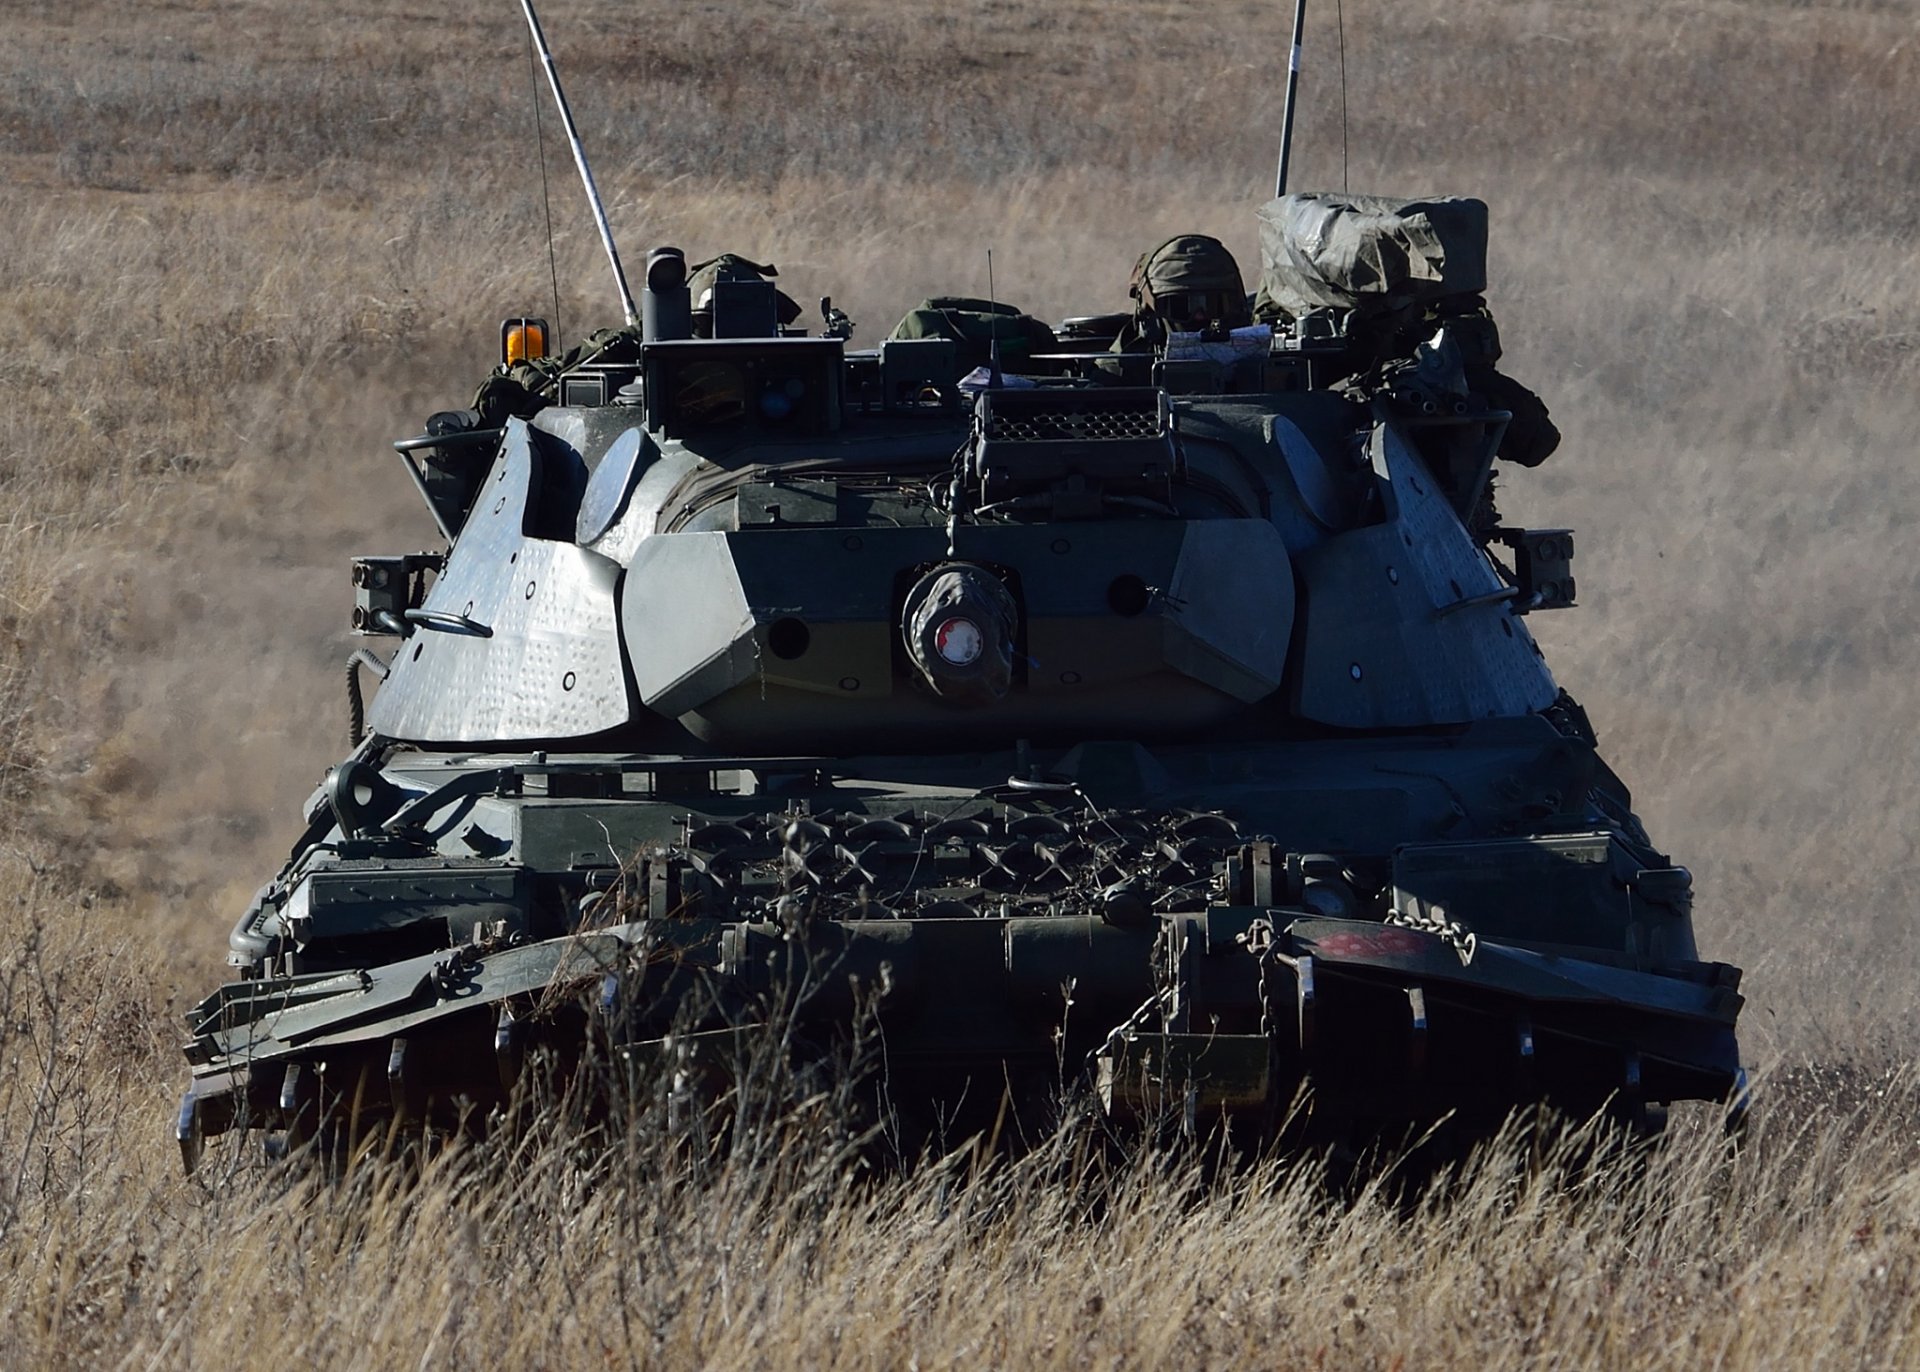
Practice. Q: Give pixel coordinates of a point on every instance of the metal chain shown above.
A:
(1432, 919)
(1125, 1028)
(1262, 941)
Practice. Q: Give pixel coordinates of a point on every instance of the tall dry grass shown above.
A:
(247, 241)
(1799, 1251)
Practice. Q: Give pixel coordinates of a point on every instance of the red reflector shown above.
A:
(959, 641)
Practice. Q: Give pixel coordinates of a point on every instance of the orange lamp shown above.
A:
(522, 340)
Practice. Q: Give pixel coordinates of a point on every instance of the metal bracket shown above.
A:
(385, 589)
(1542, 568)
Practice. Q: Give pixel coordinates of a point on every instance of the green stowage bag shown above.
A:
(974, 325)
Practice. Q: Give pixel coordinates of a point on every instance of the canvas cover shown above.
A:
(974, 326)
(730, 266)
(1372, 253)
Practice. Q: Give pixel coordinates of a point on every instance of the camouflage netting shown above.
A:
(1370, 253)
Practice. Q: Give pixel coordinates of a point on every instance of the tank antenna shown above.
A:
(994, 380)
(1293, 85)
(1340, 20)
(580, 161)
(546, 200)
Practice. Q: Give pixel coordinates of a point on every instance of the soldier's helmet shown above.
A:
(730, 268)
(1190, 283)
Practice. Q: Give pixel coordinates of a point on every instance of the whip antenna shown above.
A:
(546, 201)
(580, 161)
(994, 379)
(1293, 85)
(1340, 19)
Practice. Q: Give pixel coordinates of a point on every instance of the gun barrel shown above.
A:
(1293, 86)
(580, 161)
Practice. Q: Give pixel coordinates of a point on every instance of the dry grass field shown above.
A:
(246, 242)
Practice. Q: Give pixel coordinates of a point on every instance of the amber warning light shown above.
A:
(522, 340)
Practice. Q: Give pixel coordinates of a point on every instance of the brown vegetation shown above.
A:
(248, 241)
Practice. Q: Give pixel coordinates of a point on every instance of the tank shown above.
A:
(1143, 713)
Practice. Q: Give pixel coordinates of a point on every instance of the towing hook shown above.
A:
(361, 799)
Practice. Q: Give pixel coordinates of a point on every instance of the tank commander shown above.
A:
(731, 268)
(1189, 283)
(1400, 284)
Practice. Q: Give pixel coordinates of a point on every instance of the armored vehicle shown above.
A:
(1149, 708)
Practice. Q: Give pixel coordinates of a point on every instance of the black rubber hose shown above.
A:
(356, 704)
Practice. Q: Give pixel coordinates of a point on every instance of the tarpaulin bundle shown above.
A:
(1369, 253)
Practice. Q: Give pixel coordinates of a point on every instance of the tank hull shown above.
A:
(1085, 925)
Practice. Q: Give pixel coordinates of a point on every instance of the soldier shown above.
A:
(1187, 284)
(702, 277)
(1531, 436)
